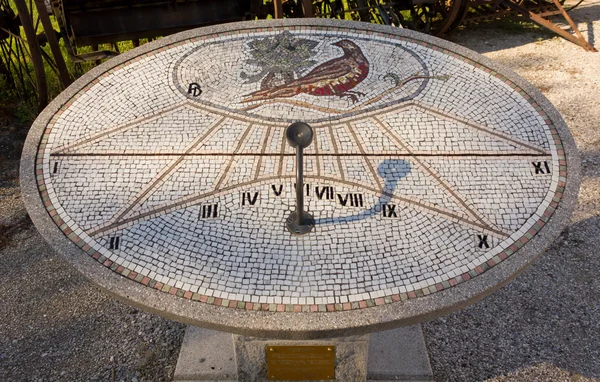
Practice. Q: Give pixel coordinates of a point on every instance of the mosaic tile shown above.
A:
(173, 169)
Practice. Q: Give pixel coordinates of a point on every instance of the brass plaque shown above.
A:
(300, 363)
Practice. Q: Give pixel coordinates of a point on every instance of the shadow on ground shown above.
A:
(492, 36)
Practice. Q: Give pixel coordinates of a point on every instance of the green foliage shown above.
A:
(25, 113)
(19, 96)
(14, 108)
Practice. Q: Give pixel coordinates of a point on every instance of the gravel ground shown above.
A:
(544, 326)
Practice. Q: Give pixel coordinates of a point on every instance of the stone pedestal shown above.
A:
(393, 355)
(206, 355)
(399, 355)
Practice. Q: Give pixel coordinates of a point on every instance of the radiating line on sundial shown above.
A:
(424, 206)
(173, 205)
(231, 159)
(336, 151)
(374, 175)
(425, 154)
(118, 129)
(194, 198)
(486, 130)
(446, 186)
(146, 191)
(281, 154)
(315, 145)
(326, 129)
(262, 152)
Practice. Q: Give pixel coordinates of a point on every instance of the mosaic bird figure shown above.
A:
(336, 77)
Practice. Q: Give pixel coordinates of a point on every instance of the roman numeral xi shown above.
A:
(537, 166)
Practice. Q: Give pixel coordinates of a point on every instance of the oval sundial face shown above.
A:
(428, 169)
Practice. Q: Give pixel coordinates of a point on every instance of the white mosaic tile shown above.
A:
(422, 167)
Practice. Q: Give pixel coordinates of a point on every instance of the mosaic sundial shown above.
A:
(167, 172)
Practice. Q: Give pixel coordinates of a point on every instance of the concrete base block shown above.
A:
(206, 355)
(392, 355)
(399, 355)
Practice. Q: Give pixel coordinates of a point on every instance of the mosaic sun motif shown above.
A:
(173, 169)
